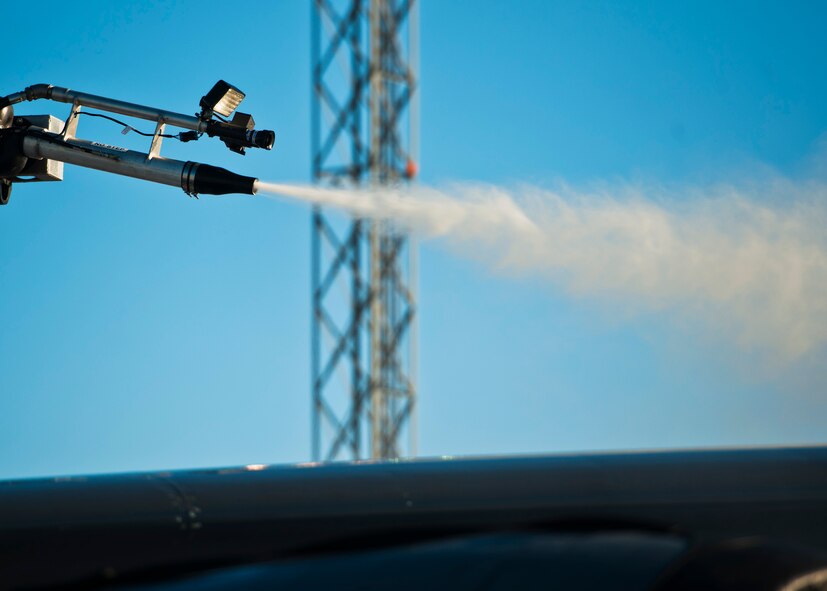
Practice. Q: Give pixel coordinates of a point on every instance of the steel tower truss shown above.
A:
(363, 339)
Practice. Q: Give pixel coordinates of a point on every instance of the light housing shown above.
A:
(223, 99)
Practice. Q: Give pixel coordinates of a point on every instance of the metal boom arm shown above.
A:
(32, 148)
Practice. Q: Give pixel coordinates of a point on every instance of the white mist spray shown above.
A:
(748, 262)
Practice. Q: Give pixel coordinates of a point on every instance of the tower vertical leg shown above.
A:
(363, 327)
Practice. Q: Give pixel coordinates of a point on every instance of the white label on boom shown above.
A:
(108, 147)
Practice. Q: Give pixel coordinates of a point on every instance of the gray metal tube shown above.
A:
(66, 95)
(104, 157)
(192, 177)
(236, 137)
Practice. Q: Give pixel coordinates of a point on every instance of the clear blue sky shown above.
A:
(140, 329)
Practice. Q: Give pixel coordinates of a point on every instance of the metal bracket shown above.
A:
(71, 127)
(155, 147)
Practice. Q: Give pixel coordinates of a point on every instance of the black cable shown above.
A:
(184, 136)
(139, 132)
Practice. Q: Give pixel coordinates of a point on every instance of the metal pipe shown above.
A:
(65, 95)
(192, 177)
(250, 138)
(103, 157)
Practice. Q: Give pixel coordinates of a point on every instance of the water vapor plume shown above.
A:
(747, 262)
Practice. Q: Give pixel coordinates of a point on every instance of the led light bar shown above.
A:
(223, 99)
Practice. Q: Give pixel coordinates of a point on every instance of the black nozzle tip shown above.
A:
(203, 179)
